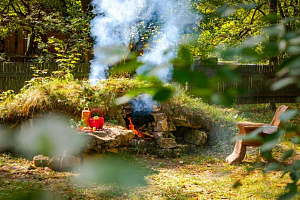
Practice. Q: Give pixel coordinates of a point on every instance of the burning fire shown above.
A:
(131, 127)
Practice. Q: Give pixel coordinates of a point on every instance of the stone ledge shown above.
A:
(108, 138)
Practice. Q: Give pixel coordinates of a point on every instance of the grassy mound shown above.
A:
(48, 94)
(71, 96)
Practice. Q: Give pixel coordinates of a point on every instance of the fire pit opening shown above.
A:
(141, 122)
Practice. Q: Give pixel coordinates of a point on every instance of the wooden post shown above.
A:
(20, 45)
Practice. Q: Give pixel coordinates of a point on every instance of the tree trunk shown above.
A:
(64, 8)
(86, 5)
(273, 13)
(273, 60)
(273, 7)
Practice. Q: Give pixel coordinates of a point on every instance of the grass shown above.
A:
(204, 175)
(212, 180)
(262, 113)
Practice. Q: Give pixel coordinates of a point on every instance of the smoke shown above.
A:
(176, 18)
(119, 22)
(49, 136)
(113, 27)
(143, 102)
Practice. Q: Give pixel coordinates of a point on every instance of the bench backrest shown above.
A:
(276, 119)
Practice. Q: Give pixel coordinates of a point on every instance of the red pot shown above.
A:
(98, 122)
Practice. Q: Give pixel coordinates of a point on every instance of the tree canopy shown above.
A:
(63, 24)
(222, 23)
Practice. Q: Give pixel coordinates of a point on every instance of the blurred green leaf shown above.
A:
(163, 94)
(249, 55)
(271, 18)
(48, 136)
(37, 195)
(247, 5)
(295, 50)
(268, 146)
(111, 54)
(254, 135)
(237, 184)
(113, 170)
(228, 74)
(184, 58)
(289, 195)
(270, 141)
(272, 167)
(289, 114)
(226, 10)
(270, 49)
(228, 53)
(252, 42)
(153, 80)
(287, 154)
(196, 79)
(130, 67)
(282, 83)
(275, 30)
(217, 98)
(295, 40)
(296, 165)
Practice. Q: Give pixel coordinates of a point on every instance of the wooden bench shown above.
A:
(245, 128)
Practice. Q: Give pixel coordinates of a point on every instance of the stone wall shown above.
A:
(170, 135)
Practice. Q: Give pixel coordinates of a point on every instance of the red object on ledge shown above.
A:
(96, 122)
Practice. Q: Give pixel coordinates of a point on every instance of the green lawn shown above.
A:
(203, 175)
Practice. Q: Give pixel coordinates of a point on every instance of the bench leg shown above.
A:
(238, 153)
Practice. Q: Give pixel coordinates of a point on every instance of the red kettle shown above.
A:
(96, 121)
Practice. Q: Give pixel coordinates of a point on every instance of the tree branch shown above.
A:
(261, 12)
(243, 32)
(252, 18)
(281, 10)
(27, 6)
(18, 12)
(6, 7)
(296, 7)
(64, 8)
(258, 9)
(247, 14)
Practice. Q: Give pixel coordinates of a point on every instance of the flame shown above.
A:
(131, 127)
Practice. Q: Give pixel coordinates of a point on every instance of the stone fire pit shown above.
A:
(169, 137)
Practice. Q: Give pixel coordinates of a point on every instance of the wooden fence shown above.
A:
(256, 79)
(13, 75)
